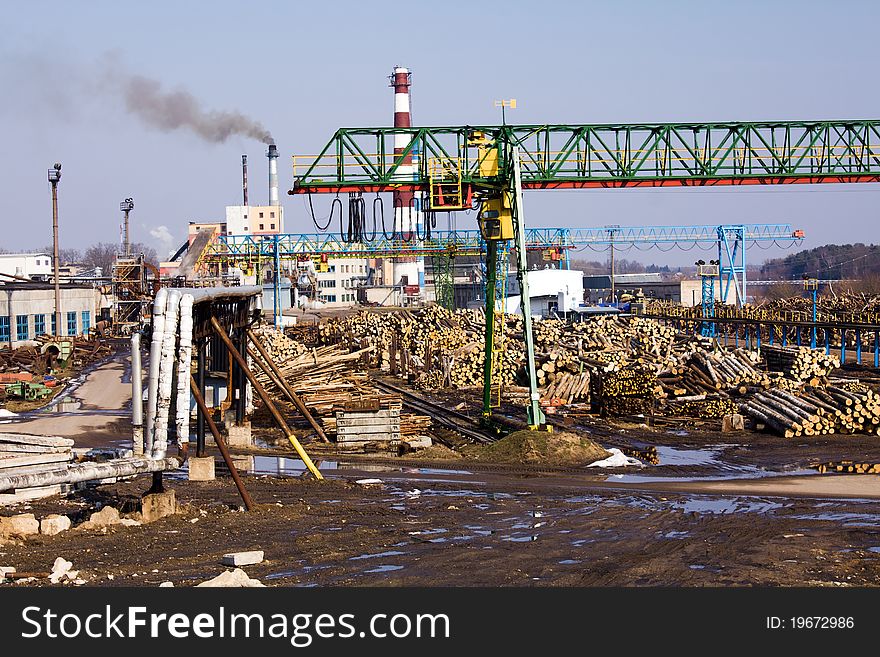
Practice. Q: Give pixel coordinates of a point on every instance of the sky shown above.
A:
(302, 70)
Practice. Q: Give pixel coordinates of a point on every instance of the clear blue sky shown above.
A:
(305, 69)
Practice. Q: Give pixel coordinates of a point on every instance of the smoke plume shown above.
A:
(175, 110)
(162, 235)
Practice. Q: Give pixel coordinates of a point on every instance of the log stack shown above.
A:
(800, 364)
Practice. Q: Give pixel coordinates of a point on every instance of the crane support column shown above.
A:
(535, 414)
(491, 275)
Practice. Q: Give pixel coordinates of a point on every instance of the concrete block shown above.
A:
(201, 468)
(239, 435)
(158, 505)
(418, 442)
(54, 524)
(242, 558)
(731, 423)
(24, 524)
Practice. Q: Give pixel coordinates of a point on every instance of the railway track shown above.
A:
(442, 415)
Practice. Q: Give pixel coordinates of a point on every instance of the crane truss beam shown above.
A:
(470, 242)
(585, 156)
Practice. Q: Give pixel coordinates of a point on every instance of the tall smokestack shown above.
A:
(406, 214)
(273, 174)
(244, 179)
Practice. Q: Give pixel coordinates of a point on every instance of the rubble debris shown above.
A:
(106, 517)
(61, 569)
(248, 558)
(232, 579)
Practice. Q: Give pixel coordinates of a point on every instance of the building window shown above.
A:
(4, 329)
(245, 229)
(39, 324)
(272, 226)
(332, 268)
(86, 316)
(245, 216)
(261, 226)
(54, 324)
(261, 215)
(71, 323)
(21, 327)
(271, 215)
(330, 298)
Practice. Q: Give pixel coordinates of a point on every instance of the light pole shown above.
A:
(811, 285)
(611, 231)
(505, 103)
(126, 206)
(54, 177)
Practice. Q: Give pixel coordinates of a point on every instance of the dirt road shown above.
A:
(94, 410)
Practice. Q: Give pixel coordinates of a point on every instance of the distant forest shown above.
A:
(851, 261)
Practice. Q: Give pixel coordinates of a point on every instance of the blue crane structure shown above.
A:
(731, 241)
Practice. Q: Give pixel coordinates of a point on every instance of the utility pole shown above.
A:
(54, 178)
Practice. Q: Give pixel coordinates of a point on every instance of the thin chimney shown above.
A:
(244, 189)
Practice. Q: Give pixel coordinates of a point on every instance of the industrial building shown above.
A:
(550, 290)
(28, 310)
(687, 292)
(36, 266)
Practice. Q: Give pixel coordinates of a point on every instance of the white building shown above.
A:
(550, 290)
(338, 287)
(37, 266)
(254, 219)
(28, 310)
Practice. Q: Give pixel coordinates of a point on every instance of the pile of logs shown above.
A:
(701, 406)
(328, 378)
(800, 364)
(816, 411)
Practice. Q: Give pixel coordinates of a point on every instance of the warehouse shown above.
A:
(28, 310)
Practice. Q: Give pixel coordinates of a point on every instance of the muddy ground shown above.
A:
(718, 510)
(464, 528)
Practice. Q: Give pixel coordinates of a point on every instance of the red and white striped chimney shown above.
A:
(406, 215)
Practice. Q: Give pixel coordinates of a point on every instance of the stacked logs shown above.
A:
(704, 406)
(627, 391)
(328, 378)
(816, 411)
(800, 364)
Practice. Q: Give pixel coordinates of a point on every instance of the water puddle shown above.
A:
(570, 562)
(674, 534)
(679, 456)
(726, 505)
(383, 569)
(389, 553)
(294, 467)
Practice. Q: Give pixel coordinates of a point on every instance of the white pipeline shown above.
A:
(155, 356)
(166, 375)
(184, 366)
(137, 395)
(90, 471)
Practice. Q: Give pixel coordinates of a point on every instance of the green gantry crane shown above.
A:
(489, 167)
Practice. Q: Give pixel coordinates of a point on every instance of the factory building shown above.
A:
(687, 292)
(28, 310)
(36, 266)
(338, 287)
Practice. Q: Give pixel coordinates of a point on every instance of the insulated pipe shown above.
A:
(155, 356)
(166, 375)
(90, 471)
(137, 395)
(184, 367)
